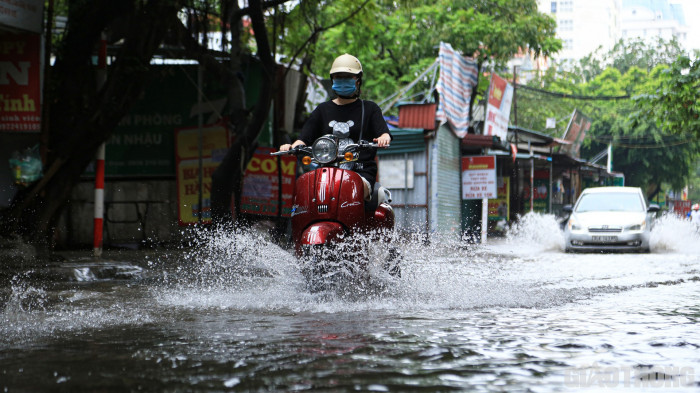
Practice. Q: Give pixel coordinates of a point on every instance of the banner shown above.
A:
(575, 132)
(479, 177)
(215, 143)
(498, 107)
(261, 186)
(20, 83)
(458, 76)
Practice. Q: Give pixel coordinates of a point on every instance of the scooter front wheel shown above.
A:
(393, 262)
(317, 268)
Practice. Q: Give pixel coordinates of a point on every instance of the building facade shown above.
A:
(653, 19)
(584, 25)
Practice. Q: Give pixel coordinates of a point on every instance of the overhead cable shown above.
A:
(572, 96)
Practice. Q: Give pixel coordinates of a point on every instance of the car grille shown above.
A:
(605, 229)
(322, 208)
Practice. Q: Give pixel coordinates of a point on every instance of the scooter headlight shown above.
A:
(325, 150)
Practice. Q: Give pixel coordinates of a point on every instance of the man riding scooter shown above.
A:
(340, 197)
(349, 118)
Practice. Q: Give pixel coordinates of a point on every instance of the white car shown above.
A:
(609, 218)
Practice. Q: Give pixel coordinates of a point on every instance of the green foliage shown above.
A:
(653, 132)
(674, 102)
(397, 40)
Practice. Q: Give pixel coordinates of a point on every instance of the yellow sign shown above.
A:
(188, 190)
(214, 139)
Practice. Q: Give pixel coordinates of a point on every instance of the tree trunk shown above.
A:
(81, 117)
(227, 179)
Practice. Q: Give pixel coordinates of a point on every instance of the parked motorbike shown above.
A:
(332, 224)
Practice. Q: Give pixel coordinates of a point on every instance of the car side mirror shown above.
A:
(653, 208)
(567, 208)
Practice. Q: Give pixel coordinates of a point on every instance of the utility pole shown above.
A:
(515, 101)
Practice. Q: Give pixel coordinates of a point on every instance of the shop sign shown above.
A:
(261, 188)
(479, 177)
(215, 140)
(26, 15)
(20, 83)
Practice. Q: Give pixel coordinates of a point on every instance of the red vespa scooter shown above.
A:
(329, 210)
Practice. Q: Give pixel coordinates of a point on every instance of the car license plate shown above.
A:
(605, 239)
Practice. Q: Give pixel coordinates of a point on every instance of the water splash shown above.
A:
(673, 233)
(442, 273)
(535, 232)
(45, 303)
(25, 297)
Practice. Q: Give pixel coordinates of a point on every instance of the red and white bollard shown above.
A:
(100, 159)
(99, 200)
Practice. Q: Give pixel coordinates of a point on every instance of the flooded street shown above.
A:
(233, 314)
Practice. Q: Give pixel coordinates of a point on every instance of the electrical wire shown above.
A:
(573, 96)
(615, 142)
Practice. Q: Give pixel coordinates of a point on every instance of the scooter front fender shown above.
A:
(321, 233)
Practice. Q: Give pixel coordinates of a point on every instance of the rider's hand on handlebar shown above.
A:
(288, 147)
(383, 141)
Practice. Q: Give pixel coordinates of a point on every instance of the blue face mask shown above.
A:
(344, 87)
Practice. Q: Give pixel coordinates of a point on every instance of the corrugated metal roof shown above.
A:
(406, 140)
(417, 116)
(524, 135)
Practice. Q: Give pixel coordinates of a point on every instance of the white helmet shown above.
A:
(346, 63)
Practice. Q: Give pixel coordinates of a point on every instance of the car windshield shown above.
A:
(610, 202)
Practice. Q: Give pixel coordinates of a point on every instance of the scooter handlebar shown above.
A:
(302, 149)
(372, 145)
(307, 149)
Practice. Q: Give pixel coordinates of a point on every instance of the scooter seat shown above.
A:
(379, 196)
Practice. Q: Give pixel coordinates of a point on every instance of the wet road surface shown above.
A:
(233, 314)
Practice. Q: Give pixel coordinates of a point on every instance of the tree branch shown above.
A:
(265, 5)
(321, 29)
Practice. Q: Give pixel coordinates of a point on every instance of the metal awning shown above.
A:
(406, 140)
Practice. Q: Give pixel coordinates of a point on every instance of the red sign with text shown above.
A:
(20, 83)
(479, 177)
(261, 188)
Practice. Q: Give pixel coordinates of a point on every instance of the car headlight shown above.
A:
(325, 150)
(637, 227)
(574, 224)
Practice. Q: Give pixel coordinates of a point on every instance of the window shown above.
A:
(554, 7)
(611, 201)
(565, 25)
